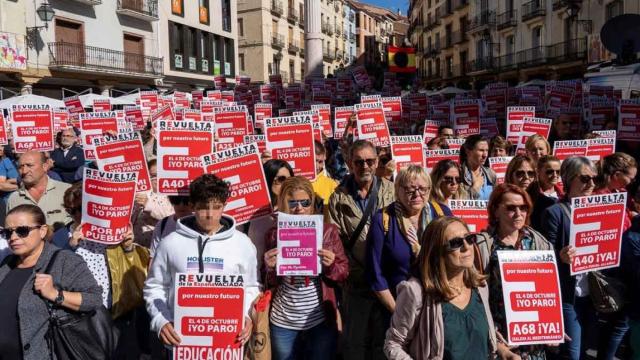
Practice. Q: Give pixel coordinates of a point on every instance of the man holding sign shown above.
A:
(205, 242)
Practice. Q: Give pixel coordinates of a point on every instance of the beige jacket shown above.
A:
(417, 327)
(345, 213)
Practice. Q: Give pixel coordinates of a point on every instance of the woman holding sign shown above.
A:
(578, 177)
(393, 244)
(305, 307)
(477, 180)
(442, 311)
(615, 173)
(509, 209)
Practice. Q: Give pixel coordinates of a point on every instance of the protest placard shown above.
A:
(567, 148)
(248, 191)
(392, 107)
(489, 127)
(455, 143)
(341, 118)
(629, 120)
(596, 231)
(164, 113)
(180, 146)
(533, 126)
(133, 115)
(291, 139)
(208, 314)
(299, 239)
(532, 298)
(73, 104)
(472, 212)
(32, 128)
(465, 115)
(600, 147)
(93, 125)
(601, 112)
(324, 115)
(432, 157)
(101, 105)
(123, 153)
(3, 130)
(61, 119)
(431, 129)
(262, 111)
(231, 124)
(515, 119)
(407, 150)
(259, 140)
(107, 202)
(499, 165)
(149, 102)
(366, 99)
(371, 124)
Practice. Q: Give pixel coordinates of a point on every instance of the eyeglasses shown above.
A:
(21, 231)
(422, 190)
(552, 171)
(295, 203)
(279, 179)
(360, 162)
(73, 210)
(513, 208)
(456, 243)
(452, 179)
(521, 173)
(585, 179)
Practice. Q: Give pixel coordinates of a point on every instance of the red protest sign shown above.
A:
(567, 148)
(601, 112)
(533, 126)
(392, 108)
(372, 125)
(472, 212)
(600, 147)
(431, 129)
(93, 125)
(241, 167)
(341, 118)
(32, 128)
(434, 156)
(191, 114)
(133, 116)
(466, 117)
(149, 102)
(532, 298)
(455, 143)
(208, 313)
(3, 130)
(499, 165)
(197, 96)
(596, 230)
(259, 140)
(515, 120)
(123, 153)
(261, 111)
(101, 105)
(407, 150)
(107, 202)
(60, 120)
(489, 127)
(231, 124)
(73, 104)
(180, 146)
(324, 113)
(291, 139)
(163, 113)
(629, 120)
(366, 99)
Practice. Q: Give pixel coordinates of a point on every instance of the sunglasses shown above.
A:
(521, 173)
(513, 208)
(295, 203)
(279, 179)
(73, 210)
(361, 162)
(21, 231)
(452, 179)
(585, 179)
(552, 171)
(458, 242)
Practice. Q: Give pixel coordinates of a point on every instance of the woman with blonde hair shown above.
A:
(304, 308)
(446, 181)
(443, 309)
(537, 147)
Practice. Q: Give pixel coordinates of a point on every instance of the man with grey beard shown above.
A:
(351, 208)
(68, 157)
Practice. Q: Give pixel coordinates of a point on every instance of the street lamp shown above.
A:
(45, 13)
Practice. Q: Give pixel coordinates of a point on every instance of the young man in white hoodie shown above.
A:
(205, 242)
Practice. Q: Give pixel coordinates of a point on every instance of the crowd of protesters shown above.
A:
(400, 275)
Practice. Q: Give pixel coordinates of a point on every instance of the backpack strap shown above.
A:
(386, 219)
(437, 208)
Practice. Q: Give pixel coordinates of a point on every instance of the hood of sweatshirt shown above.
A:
(187, 228)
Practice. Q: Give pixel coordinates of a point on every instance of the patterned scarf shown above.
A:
(408, 230)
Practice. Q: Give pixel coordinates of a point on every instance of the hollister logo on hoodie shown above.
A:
(210, 263)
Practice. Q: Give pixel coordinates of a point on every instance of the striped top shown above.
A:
(297, 306)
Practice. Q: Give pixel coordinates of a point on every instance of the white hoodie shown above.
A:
(229, 251)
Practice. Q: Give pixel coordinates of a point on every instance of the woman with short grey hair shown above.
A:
(578, 178)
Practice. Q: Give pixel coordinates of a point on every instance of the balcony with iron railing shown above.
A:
(459, 4)
(277, 41)
(433, 50)
(454, 71)
(481, 64)
(481, 22)
(507, 19)
(532, 57)
(292, 15)
(89, 59)
(506, 62)
(141, 9)
(572, 50)
(276, 8)
(533, 9)
(293, 46)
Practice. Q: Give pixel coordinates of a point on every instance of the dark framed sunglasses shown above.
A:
(452, 179)
(458, 242)
(21, 231)
(521, 173)
(295, 203)
(361, 162)
(279, 179)
(585, 179)
(513, 208)
(552, 171)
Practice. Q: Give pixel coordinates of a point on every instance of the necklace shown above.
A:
(458, 289)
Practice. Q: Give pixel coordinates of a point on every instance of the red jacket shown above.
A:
(331, 276)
